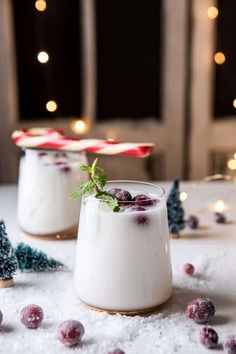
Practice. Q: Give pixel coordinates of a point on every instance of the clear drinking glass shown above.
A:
(123, 258)
(46, 179)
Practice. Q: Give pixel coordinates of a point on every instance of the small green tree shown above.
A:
(175, 210)
(32, 260)
(8, 261)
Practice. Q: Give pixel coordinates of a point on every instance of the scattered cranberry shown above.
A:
(1, 317)
(220, 218)
(143, 200)
(32, 316)
(230, 345)
(208, 337)
(116, 351)
(192, 222)
(188, 269)
(70, 332)
(200, 310)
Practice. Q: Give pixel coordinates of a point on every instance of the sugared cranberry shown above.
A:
(220, 218)
(200, 310)
(70, 332)
(188, 269)
(134, 208)
(208, 337)
(32, 316)
(116, 351)
(113, 191)
(143, 200)
(142, 219)
(59, 163)
(41, 153)
(60, 154)
(123, 196)
(192, 222)
(1, 317)
(230, 345)
(65, 168)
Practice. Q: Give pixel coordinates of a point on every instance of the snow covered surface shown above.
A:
(212, 250)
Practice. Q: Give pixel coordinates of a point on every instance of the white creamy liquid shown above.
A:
(120, 264)
(46, 180)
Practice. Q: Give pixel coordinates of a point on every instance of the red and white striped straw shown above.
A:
(54, 139)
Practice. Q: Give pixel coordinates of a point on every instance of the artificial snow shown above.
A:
(166, 331)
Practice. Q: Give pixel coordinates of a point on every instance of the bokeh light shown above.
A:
(212, 12)
(51, 106)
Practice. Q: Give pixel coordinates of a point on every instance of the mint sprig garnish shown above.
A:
(97, 182)
(111, 201)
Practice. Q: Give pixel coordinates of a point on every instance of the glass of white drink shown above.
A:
(123, 258)
(45, 181)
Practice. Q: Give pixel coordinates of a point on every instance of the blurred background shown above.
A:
(158, 71)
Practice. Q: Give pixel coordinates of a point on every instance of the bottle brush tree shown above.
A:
(175, 210)
(33, 260)
(8, 261)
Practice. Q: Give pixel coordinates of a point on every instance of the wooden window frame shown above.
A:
(168, 135)
(207, 135)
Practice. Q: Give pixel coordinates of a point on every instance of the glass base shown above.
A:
(125, 312)
(67, 234)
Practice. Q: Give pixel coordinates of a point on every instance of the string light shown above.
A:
(43, 57)
(79, 126)
(234, 103)
(51, 106)
(231, 164)
(219, 206)
(40, 5)
(111, 135)
(235, 155)
(219, 58)
(183, 196)
(212, 12)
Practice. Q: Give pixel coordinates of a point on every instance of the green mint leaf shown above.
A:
(83, 188)
(99, 169)
(100, 180)
(86, 168)
(111, 201)
(94, 165)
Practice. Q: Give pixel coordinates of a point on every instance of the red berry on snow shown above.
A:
(220, 218)
(32, 316)
(230, 345)
(70, 332)
(192, 222)
(116, 351)
(208, 337)
(188, 269)
(200, 310)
